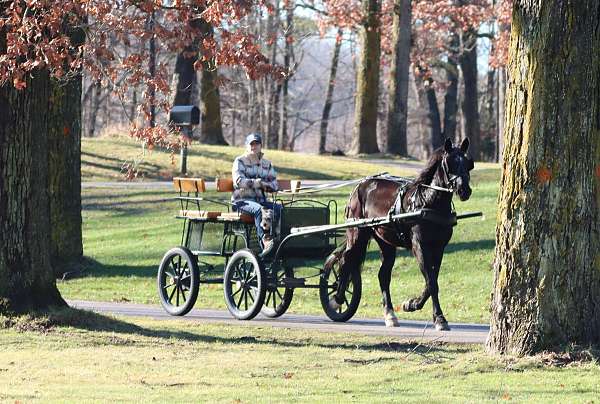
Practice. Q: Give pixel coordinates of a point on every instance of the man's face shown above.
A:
(255, 147)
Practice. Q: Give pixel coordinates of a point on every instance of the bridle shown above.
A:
(448, 178)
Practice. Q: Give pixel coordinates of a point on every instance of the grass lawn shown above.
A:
(81, 357)
(127, 231)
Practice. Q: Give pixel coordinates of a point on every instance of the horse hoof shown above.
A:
(407, 306)
(390, 319)
(441, 325)
(333, 305)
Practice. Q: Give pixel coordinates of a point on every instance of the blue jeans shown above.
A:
(254, 208)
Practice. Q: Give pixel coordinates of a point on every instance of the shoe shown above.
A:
(268, 244)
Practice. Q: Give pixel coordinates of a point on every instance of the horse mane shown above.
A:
(426, 176)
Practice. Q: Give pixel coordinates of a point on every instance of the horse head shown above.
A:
(456, 166)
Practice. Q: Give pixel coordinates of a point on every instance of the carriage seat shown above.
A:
(190, 195)
(190, 190)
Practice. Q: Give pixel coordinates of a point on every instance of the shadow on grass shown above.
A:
(146, 169)
(89, 267)
(487, 244)
(94, 322)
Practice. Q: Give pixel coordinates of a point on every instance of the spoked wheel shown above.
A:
(278, 298)
(178, 281)
(329, 286)
(244, 285)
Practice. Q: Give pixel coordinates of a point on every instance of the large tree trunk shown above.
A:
(211, 128)
(367, 82)
(470, 108)
(547, 267)
(64, 187)
(330, 87)
(399, 79)
(26, 278)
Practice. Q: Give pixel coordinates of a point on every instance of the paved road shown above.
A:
(408, 330)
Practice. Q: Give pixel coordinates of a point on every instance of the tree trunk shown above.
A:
(26, 278)
(211, 128)
(64, 158)
(330, 87)
(271, 87)
(500, 114)
(546, 291)
(451, 97)
(92, 117)
(399, 79)
(367, 82)
(64, 187)
(283, 139)
(428, 100)
(468, 65)
(152, 69)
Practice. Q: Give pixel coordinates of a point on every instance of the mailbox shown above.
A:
(184, 115)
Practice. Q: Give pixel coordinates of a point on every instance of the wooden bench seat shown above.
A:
(217, 216)
(189, 193)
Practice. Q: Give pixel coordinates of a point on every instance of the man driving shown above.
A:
(252, 176)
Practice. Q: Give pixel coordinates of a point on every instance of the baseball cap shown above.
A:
(253, 137)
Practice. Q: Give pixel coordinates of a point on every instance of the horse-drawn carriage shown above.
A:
(254, 282)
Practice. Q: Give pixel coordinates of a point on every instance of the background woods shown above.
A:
(441, 63)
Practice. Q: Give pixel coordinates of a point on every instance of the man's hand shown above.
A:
(257, 183)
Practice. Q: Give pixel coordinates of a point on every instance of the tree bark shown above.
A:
(500, 114)
(399, 79)
(211, 128)
(470, 108)
(367, 82)
(64, 186)
(546, 291)
(330, 87)
(26, 278)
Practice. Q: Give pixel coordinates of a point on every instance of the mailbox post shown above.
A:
(184, 117)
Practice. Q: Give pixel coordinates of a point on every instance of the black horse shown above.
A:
(446, 173)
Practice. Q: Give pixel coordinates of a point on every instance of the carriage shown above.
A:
(253, 283)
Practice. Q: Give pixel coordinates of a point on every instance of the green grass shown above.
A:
(102, 159)
(126, 233)
(82, 357)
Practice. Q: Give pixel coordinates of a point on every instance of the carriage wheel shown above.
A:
(244, 285)
(278, 298)
(328, 288)
(178, 281)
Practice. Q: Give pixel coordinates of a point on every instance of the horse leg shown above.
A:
(429, 256)
(417, 303)
(356, 249)
(388, 257)
(438, 316)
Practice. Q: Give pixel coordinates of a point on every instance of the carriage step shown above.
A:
(294, 282)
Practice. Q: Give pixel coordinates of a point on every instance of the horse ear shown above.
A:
(448, 145)
(464, 146)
